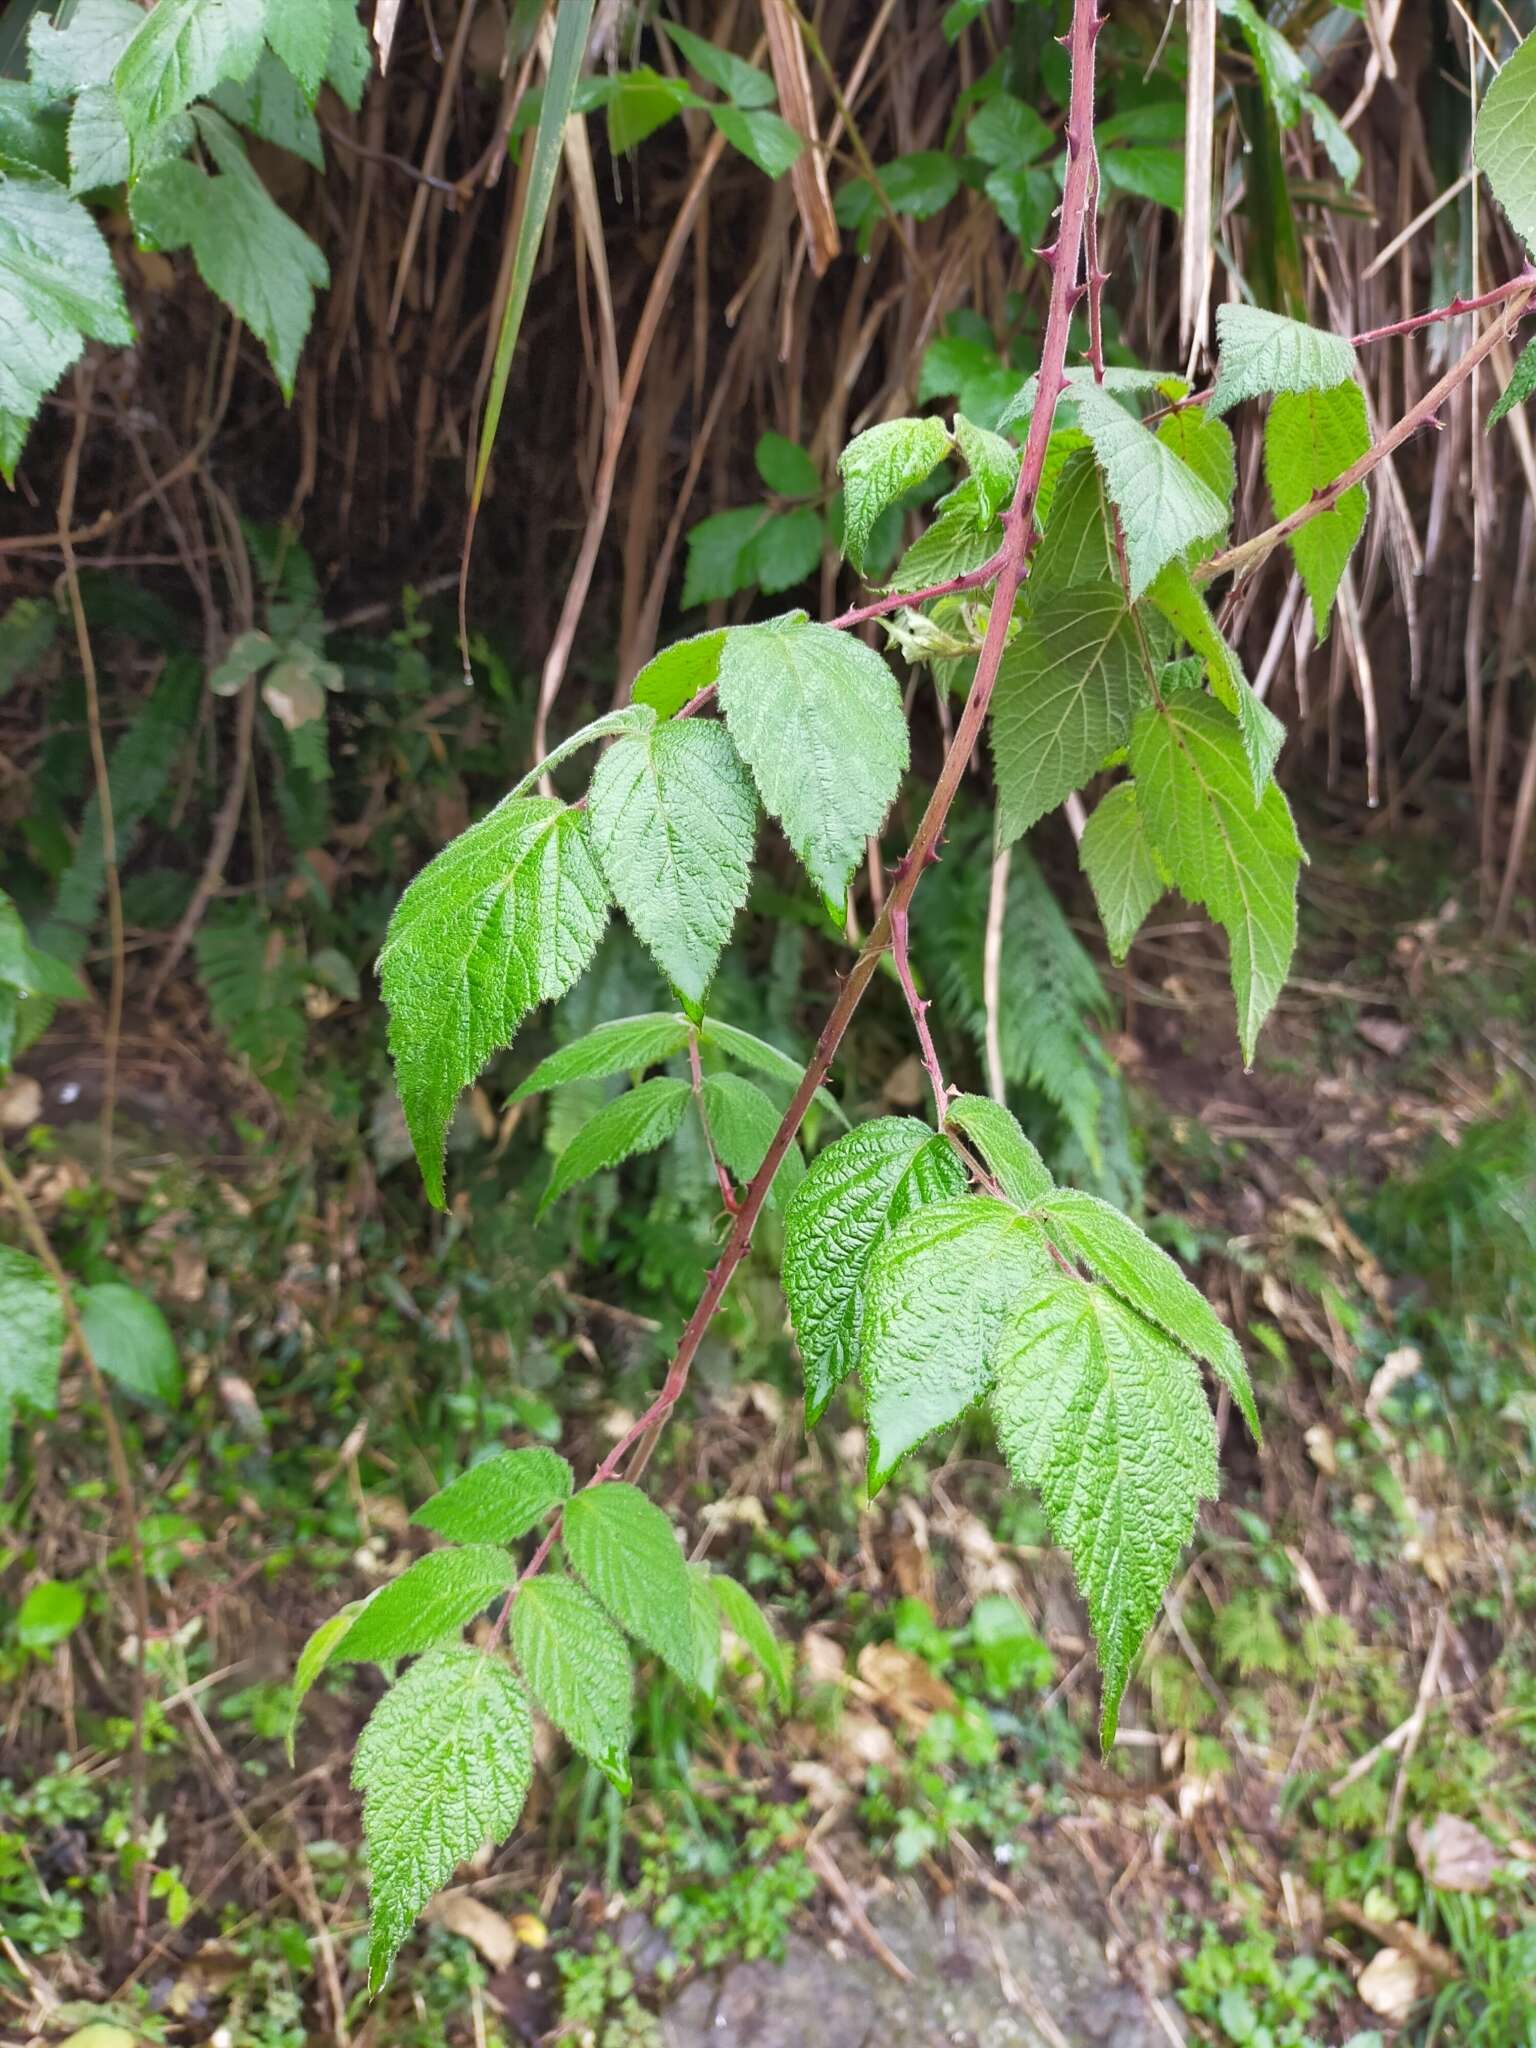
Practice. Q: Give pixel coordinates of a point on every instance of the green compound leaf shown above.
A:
(183, 50)
(32, 1316)
(763, 1058)
(704, 1624)
(130, 1341)
(1067, 688)
(959, 540)
(578, 1669)
(992, 462)
(428, 1603)
(628, 719)
(1239, 859)
(720, 555)
(1122, 868)
(1165, 509)
(259, 262)
(817, 717)
(499, 1499)
(1309, 439)
(637, 1121)
(1106, 1416)
(272, 105)
(743, 1124)
(624, 1045)
(444, 1766)
(301, 32)
(1204, 444)
(935, 1292)
(1077, 545)
(674, 677)
(786, 549)
(1174, 594)
(313, 1658)
(1504, 140)
(856, 1191)
(1521, 384)
(673, 821)
(1017, 1167)
(1262, 351)
(507, 916)
(747, 1622)
(58, 284)
(881, 465)
(1141, 1272)
(622, 1545)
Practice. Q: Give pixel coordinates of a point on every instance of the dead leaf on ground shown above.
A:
(1454, 1855)
(475, 1922)
(1385, 1034)
(862, 1743)
(900, 1681)
(822, 1658)
(1390, 1984)
(1399, 1365)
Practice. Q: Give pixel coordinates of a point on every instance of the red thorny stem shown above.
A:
(919, 1010)
(1011, 565)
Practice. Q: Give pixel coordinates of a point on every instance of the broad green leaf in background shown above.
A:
(58, 285)
(992, 462)
(1262, 352)
(32, 1318)
(623, 1547)
(742, 83)
(1176, 597)
(720, 556)
(935, 1291)
(1238, 858)
(764, 138)
(1310, 438)
(743, 1124)
(1141, 1272)
(1122, 868)
(130, 1340)
(785, 467)
(1008, 133)
(259, 262)
(637, 1121)
(1106, 1416)
(507, 916)
(856, 1191)
(673, 819)
(1018, 1168)
(641, 101)
(499, 1499)
(573, 20)
(817, 717)
(627, 721)
(578, 1669)
(50, 1614)
(624, 1045)
(272, 105)
(1164, 507)
(675, 677)
(444, 1766)
(427, 1603)
(747, 1622)
(1067, 688)
(881, 465)
(1521, 384)
(786, 549)
(1504, 140)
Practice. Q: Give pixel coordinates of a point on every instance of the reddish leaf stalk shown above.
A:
(1011, 566)
(919, 1009)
